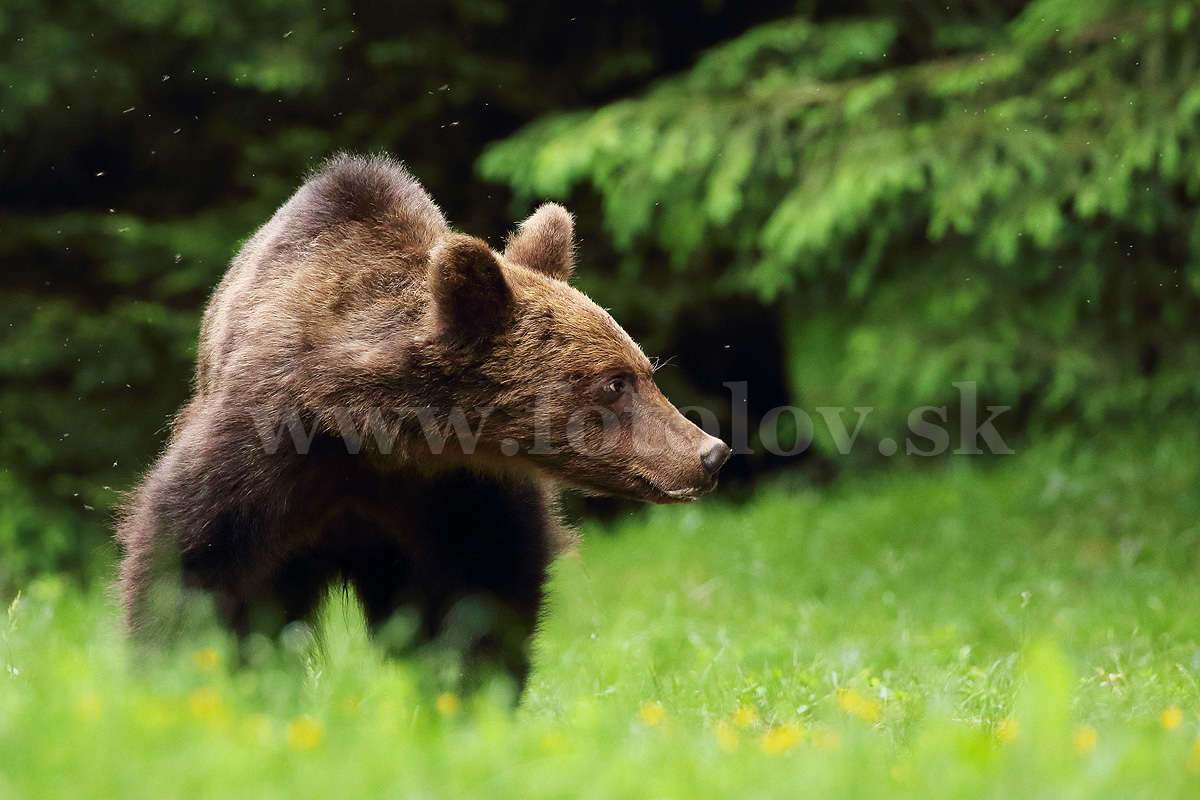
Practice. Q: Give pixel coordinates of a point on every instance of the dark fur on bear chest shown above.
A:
(466, 552)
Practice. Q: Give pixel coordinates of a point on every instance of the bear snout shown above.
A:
(715, 458)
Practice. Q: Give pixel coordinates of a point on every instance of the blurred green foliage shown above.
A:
(1013, 202)
(843, 204)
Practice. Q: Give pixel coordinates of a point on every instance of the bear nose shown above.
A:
(717, 455)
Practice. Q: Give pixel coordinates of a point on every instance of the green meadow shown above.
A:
(902, 207)
(1025, 626)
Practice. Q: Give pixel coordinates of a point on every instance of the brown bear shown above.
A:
(384, 403)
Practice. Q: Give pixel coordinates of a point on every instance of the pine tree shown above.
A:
(1006, 202)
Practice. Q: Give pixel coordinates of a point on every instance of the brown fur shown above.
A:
(356, 300)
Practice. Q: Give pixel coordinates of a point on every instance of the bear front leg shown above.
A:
(485, 553)
(467, 552)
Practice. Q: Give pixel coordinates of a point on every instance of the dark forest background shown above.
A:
(842, 204)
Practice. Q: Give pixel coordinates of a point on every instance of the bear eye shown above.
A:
(614, 388)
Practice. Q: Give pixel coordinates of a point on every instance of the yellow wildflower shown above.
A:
(89, 706)
(745, 716)
(902, 773)
(304, 733)
(727, 736)
(156, 712)
(554, 742)
(206, 705)
(827, 739)
(1171, 718)
(256, 728)
(447, 704)
(779, 740)
(1085, 740)
(207, 659)
(865, 708)
(652, 713)
(1008, 729)
(350, 705)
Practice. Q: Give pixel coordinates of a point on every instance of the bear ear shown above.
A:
(545, 242)
(471, 300)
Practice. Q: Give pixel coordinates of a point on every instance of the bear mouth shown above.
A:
(644, 490)
(659, 494)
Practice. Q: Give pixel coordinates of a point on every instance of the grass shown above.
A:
(1023, 628)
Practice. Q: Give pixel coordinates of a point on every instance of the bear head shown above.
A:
(568, 391)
